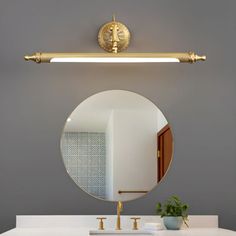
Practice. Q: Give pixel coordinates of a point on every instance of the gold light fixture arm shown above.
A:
(189, 57)
(114, 37)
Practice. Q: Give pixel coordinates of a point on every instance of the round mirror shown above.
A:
(117, 145)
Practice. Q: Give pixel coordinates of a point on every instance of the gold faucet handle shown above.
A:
(101, 224)
(135, 223)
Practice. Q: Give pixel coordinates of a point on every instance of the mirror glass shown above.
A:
(117, 145)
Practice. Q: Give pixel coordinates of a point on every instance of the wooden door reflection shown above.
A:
(164, 153)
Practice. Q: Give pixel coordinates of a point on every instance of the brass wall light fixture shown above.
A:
(114, 37)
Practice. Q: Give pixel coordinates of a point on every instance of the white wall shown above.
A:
(162, 122)
(134, 151)
(109, 157)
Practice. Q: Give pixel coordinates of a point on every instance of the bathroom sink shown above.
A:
(119, 232)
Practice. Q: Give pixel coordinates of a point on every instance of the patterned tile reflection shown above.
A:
(84, 155)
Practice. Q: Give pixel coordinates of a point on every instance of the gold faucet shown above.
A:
(119, 209)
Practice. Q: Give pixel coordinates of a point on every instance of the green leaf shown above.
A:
(172, 207)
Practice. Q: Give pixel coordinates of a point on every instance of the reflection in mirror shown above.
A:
(116, 145)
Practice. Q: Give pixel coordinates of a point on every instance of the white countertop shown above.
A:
(82, 225)
(85, 232)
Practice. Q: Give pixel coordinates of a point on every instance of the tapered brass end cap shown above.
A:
(27, 58)
(35, 57)
(200, 58)
(30, 58)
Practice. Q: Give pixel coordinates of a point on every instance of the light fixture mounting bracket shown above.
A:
(114, 36)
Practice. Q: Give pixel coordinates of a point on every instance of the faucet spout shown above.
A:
(119, 209)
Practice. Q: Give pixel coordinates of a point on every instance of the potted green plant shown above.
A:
(174, 213)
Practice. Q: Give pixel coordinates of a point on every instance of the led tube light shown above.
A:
(113, 60)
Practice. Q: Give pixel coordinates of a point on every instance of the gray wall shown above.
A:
(198, 100)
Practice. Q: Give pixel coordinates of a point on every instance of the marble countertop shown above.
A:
(75, 231)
